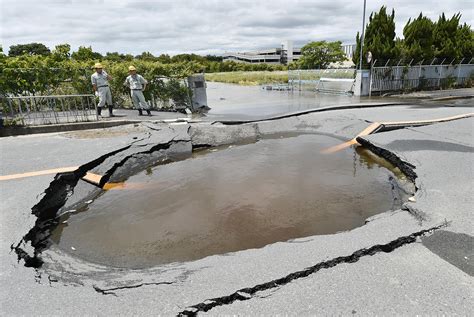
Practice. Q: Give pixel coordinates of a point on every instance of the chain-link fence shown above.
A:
(393, 75)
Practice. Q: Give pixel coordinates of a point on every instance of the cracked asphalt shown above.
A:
(417, 260)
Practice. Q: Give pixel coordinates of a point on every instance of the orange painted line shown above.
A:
(371, 128)
(339, 147)
(109, 186)
(124, 186)
(39, 173)
(92, 178)
(374, 126)
(461, 116)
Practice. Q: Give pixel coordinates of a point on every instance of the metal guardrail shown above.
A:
(42, 110)
(309, 79)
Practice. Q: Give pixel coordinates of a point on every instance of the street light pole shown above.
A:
(362, 37)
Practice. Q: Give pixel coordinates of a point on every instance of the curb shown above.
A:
(14, 131)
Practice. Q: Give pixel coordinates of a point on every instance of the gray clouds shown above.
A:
(200, 26)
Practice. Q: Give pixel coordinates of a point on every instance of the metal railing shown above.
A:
(420, 76)
(310, 79)
(41, 110)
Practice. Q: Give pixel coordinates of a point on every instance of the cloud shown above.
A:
(205, 26)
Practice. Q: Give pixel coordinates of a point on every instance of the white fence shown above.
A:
(339, 80)
(420, 77)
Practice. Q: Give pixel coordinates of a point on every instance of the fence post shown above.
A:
(299, 79)
(370, 81)
(419, 74)
(459, 71)
(440, 72)
(11, 107)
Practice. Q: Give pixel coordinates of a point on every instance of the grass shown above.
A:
(276, 77)
(249, 78)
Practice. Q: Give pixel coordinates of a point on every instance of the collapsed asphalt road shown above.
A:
(392, 264)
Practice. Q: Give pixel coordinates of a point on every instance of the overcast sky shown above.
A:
(199, 26)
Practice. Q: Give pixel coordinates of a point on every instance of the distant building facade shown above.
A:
(349, 50)
(281, 55)
(285, 54)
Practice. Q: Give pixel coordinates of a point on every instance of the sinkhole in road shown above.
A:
(232, 198)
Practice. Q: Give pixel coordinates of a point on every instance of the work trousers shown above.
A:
(138, 100)
(105, 96)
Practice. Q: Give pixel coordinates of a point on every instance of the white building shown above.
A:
(349, 50)
(282, 55)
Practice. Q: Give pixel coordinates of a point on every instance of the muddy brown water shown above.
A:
(230, 199)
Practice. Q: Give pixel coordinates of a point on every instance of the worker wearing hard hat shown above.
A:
(100, 84)
(137, 85)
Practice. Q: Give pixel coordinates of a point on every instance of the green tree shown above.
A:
(380, 35)
(321, 54)
(146, 56)
(452, 40)
(29, 49)
(164, 58)
(379, 38)
(444, 38)
(114, 56)
(356, 54)
(418, 42)
(2, 55)
(86, 54)
(62, 52)
(187, 58)
(3, 86)
(465, 41)
(214, 58)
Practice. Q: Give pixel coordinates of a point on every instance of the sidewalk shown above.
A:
(121, 117)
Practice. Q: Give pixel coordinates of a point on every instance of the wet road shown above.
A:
(418, 278)
(245, 102)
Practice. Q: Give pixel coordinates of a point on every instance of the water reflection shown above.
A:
(232, 199)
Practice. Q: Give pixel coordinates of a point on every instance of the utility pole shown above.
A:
(362, 37)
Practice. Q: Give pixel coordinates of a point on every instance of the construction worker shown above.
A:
(137, 85)
(100, 84)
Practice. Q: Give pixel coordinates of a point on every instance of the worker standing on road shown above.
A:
(100, 84)
(137, 85)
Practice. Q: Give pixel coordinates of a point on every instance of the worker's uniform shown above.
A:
(136, 83)
(103, 89)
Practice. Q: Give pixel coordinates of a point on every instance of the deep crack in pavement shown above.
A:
(58, 192)
(109, 291)
(248, 293)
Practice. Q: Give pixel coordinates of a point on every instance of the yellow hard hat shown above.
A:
(131, 68)
(98, 65)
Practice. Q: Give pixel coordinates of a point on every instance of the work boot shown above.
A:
(140, 113)
(110, 111)
(148, 112)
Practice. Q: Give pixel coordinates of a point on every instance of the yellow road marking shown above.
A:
(109, 186)
(460, 116)
(374, 126)
(371, 128)
(123, 185)
(39, 173)
(92, 178)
